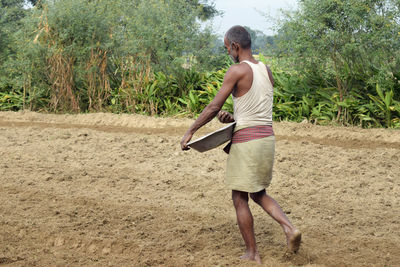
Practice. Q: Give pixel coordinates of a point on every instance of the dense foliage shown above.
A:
(333, 61)
(79, 55)
(346, 53)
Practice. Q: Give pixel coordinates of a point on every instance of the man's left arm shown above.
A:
(271, 78)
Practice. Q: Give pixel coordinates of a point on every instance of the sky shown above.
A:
(247, 13)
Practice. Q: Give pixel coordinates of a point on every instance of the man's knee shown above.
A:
(239, 197)
(256, 197)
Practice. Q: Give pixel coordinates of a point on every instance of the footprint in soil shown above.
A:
(303, 257)
(4, 260)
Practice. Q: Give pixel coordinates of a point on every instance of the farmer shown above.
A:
(251, 155)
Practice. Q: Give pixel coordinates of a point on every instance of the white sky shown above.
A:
(247, 13)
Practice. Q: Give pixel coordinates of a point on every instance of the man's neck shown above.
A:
(246, 55)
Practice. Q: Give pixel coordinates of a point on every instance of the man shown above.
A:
(251, 155)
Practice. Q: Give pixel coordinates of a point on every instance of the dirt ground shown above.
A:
(116, 190)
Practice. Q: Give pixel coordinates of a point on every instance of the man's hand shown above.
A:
(185, 139)
(225, 117)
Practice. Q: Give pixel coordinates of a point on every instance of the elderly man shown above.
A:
(251, 155)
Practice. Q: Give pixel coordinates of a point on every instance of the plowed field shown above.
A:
(116, 190)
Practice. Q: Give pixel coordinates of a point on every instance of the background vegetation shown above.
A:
(334, 61)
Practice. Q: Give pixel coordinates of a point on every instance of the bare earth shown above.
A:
(116, 190)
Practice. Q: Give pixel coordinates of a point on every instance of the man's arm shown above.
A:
(271, 78)
(211, 110)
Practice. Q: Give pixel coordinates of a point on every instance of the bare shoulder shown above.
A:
(238, 70)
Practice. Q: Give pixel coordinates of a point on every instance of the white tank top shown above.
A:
(255, 106)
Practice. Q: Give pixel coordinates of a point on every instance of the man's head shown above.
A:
(237, 38)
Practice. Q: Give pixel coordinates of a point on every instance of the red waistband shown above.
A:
(252, 133)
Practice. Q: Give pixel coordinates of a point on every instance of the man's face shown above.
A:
(232, 50)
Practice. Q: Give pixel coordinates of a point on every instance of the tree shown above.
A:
(74, 52)
(260, 42)
(206, 11)
(33, 2)
(352, 45)
(11, 14)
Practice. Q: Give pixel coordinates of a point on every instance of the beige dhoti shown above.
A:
(249, 166)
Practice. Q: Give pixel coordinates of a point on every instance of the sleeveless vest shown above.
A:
(255, 107)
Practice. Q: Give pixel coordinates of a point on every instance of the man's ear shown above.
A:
(235, 46)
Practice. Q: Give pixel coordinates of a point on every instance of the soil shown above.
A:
(116, 190)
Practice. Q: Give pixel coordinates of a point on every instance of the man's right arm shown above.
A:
(231, 77)
(211, 110)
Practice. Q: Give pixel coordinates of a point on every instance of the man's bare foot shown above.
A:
(252, 257)
(294, 240)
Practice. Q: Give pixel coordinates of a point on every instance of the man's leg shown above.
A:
(245, 222)
(293, 236)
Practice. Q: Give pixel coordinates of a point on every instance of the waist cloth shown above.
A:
(251, 158)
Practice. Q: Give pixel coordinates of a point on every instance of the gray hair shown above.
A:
(238, 34)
